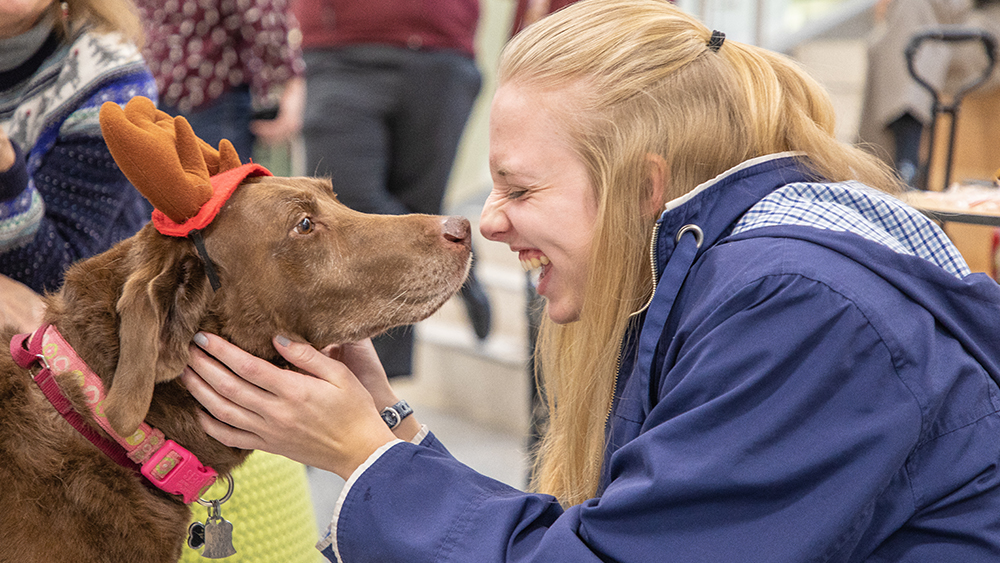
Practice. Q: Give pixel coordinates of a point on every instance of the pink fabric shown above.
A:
(62, 360)
(27, 357)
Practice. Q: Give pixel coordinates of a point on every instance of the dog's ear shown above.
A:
(162, 303)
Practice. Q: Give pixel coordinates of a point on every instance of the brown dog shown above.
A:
(291, 260)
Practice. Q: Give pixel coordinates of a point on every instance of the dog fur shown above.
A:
(291, 260)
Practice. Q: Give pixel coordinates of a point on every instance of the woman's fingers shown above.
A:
(311, 360)
(221, 409)
(323, 417)
(212, 385)
(228, 435)
(261, 373)
(244, 391)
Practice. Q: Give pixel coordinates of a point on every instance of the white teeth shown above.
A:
(534, 263)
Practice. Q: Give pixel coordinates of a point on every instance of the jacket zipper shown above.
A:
(618, 360)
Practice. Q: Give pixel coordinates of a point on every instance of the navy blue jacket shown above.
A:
(813, 382)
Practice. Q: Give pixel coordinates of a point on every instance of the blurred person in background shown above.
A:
(390, 87)
(232, 68)
(62, 198)
(896, 110)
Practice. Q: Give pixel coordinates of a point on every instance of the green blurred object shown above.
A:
(271, 511)
(276, 158)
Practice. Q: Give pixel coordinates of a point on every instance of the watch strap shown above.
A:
(396, 413)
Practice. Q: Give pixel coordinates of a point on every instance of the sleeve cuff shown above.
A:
(15, 180)
(420, 435)
(329, 539)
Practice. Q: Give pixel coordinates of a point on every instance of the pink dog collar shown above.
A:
(163, 462)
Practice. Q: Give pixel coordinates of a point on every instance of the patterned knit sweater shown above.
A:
(65, 198)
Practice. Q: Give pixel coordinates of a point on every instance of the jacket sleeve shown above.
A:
(779, 424)
(21, 207)
(89, 205)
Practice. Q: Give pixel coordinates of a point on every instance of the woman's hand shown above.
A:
(362, 360)
(288, 123)
(7, 154)
(20, 306)
(360, 357)
(327, 420)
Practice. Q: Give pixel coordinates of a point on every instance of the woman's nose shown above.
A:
(493, 222)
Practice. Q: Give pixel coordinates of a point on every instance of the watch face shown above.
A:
(390, 417)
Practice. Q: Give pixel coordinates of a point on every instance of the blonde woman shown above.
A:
(752, 351)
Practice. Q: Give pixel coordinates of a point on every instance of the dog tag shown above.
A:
(218, 535)
(196, 535)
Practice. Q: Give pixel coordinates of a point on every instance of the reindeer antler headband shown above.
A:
(185, 179)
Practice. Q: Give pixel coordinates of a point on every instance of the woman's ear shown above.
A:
(659, 176)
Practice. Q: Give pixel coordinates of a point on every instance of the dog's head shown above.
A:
(290, 260)
(317, 271)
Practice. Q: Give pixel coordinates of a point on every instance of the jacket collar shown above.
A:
(717, 204)
(713, 207)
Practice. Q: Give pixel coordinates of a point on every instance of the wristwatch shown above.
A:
(396, 413)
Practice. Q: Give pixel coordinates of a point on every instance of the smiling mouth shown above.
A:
(536, 268)
(534, 263)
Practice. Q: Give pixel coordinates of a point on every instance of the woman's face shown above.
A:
(542, 204)
(19, 16)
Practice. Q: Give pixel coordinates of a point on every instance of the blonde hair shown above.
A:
(643, 81)
(103, 16)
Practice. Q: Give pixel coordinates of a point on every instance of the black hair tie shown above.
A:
(716, 41)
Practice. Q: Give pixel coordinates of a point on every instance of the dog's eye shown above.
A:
(305, 226)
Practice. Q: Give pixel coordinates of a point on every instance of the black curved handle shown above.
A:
(953, 34)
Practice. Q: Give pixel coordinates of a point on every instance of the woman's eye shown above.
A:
(305, 226)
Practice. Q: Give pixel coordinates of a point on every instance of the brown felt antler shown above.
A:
(163, 158)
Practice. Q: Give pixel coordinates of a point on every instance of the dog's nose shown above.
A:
(456, 229)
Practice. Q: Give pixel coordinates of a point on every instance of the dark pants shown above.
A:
(384, 124)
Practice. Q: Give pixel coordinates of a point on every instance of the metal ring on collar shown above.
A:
(229, 493)
(44, 361)
(699, 235)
